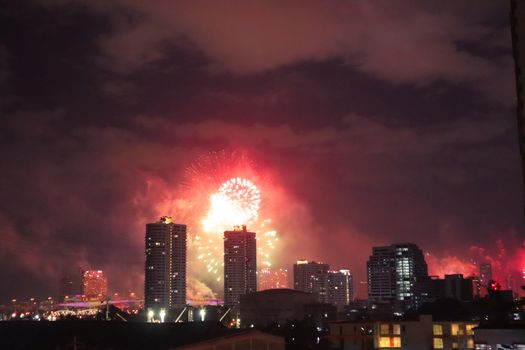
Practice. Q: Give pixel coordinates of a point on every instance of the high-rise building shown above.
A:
(271, 278)
(381, 269)
(310, 276)
(340, 291)
(240, 264)
(397, 273)
(95, 285)
(165, 267)
(331, 287)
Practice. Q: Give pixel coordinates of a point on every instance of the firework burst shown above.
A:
(237, 202)
(224, 191)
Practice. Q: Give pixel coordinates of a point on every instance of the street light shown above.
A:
(151, 313)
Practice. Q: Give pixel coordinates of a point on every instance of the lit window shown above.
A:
(385, 329)
(455, 345)
(470, 343)
(438, 329)
(438, 343)
(397, 329)
(454, 329)
(470, 329)
(389, 342)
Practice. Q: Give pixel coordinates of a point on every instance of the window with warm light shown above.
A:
(384, 329)
(396, 329)
(454, 329)
(438, 343)
(470, 343)
(438, 329)
(396, 341)
(470, 329)
(389, 342)
(384, 342)
(455, 345)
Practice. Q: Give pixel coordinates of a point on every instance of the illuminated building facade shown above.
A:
(270, 278)
(310, 277)
(423, 333)
(95, 285)
(165, 267)
(340, 289)
(240, 264)
(331, 287)
(397, 273)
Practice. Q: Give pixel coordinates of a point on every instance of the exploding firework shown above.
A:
(236, 202)
(225, 190)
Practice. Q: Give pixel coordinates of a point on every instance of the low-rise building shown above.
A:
(280, 306)
(423, 333)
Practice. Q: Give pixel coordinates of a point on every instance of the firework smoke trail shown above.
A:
(222, 190)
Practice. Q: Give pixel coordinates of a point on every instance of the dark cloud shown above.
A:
(405, 42)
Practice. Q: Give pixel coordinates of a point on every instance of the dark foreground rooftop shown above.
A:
(105, 335)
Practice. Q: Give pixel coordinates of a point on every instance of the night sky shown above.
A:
(375, 122)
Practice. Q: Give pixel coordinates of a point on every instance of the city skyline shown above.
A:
(315, 279)
(263, 174)
(359, 125)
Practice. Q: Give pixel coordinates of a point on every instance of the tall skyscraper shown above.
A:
(240, 264)
(271, 278)
(340, 290)
(94, 285)
(165, 268)
(310, 276)
(397, 273)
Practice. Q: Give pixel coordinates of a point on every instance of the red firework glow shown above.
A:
(222, 190)
(507, 259)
